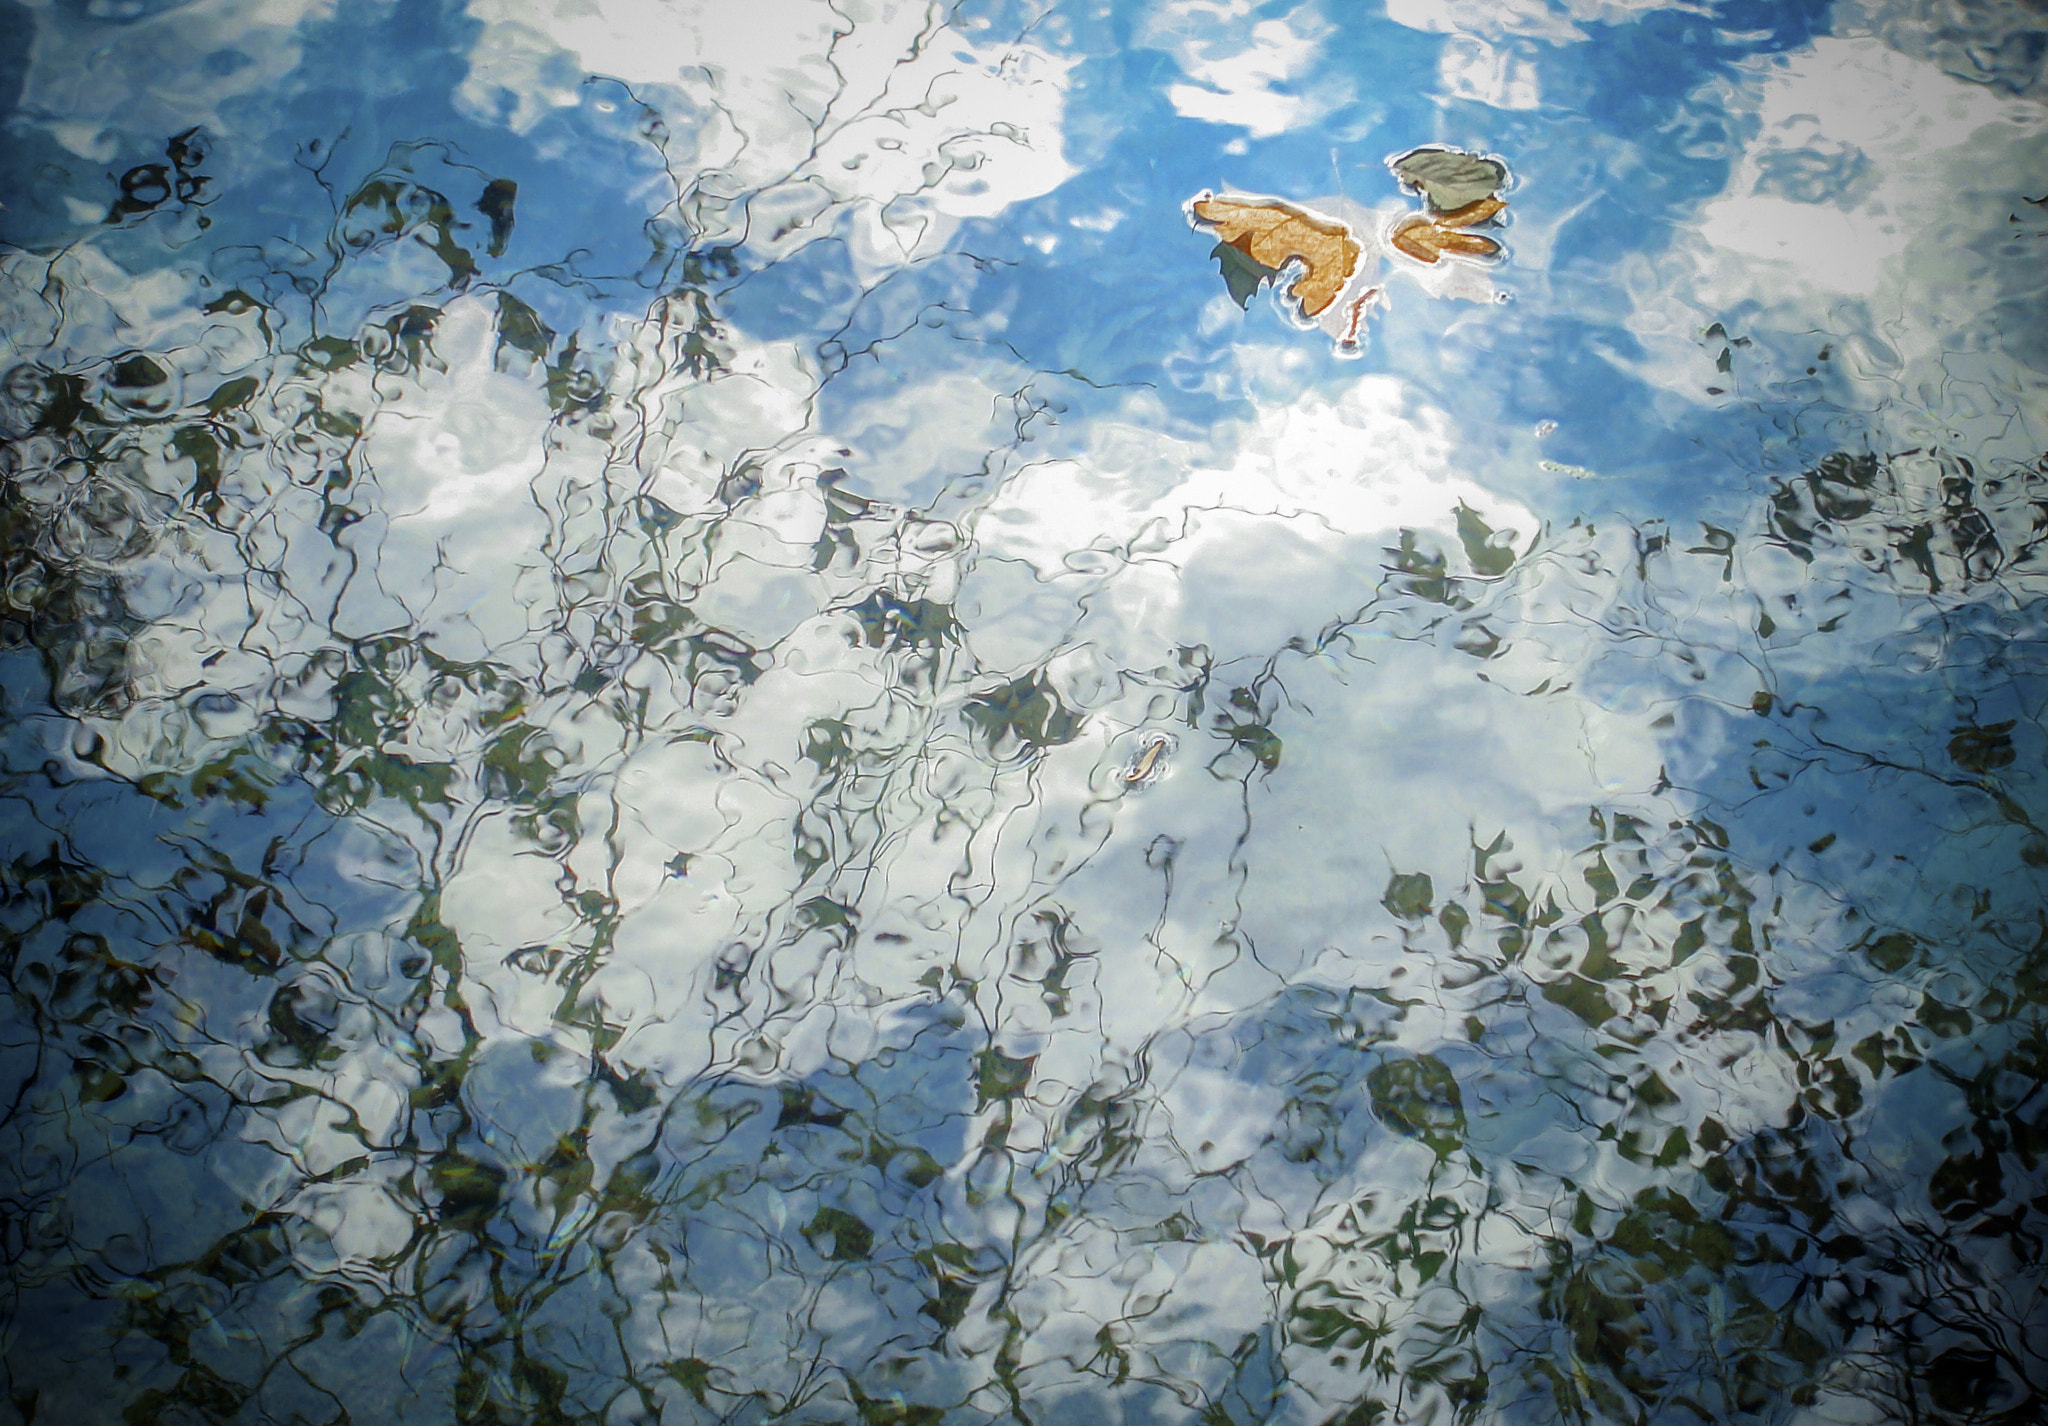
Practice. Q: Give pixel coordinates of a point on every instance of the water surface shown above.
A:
(695, 729)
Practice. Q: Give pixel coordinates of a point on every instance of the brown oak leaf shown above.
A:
(1272, 232)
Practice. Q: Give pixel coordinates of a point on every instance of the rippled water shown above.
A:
(695, 731)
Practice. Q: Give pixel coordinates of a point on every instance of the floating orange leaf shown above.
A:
(1427, 241)
(1271, 232)
(1471, 213)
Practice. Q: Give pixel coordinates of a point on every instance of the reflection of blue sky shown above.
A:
(979, 298)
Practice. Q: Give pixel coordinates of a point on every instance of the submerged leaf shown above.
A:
(1243, 274)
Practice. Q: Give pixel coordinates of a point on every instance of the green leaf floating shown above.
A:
(1449, 178)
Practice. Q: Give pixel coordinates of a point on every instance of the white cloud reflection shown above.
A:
(1244, 72)
(1558, 21)
(1871, 211)
(792, 115)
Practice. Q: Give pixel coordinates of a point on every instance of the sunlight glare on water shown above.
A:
(861, 711)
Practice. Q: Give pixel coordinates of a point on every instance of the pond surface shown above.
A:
(705, 720)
